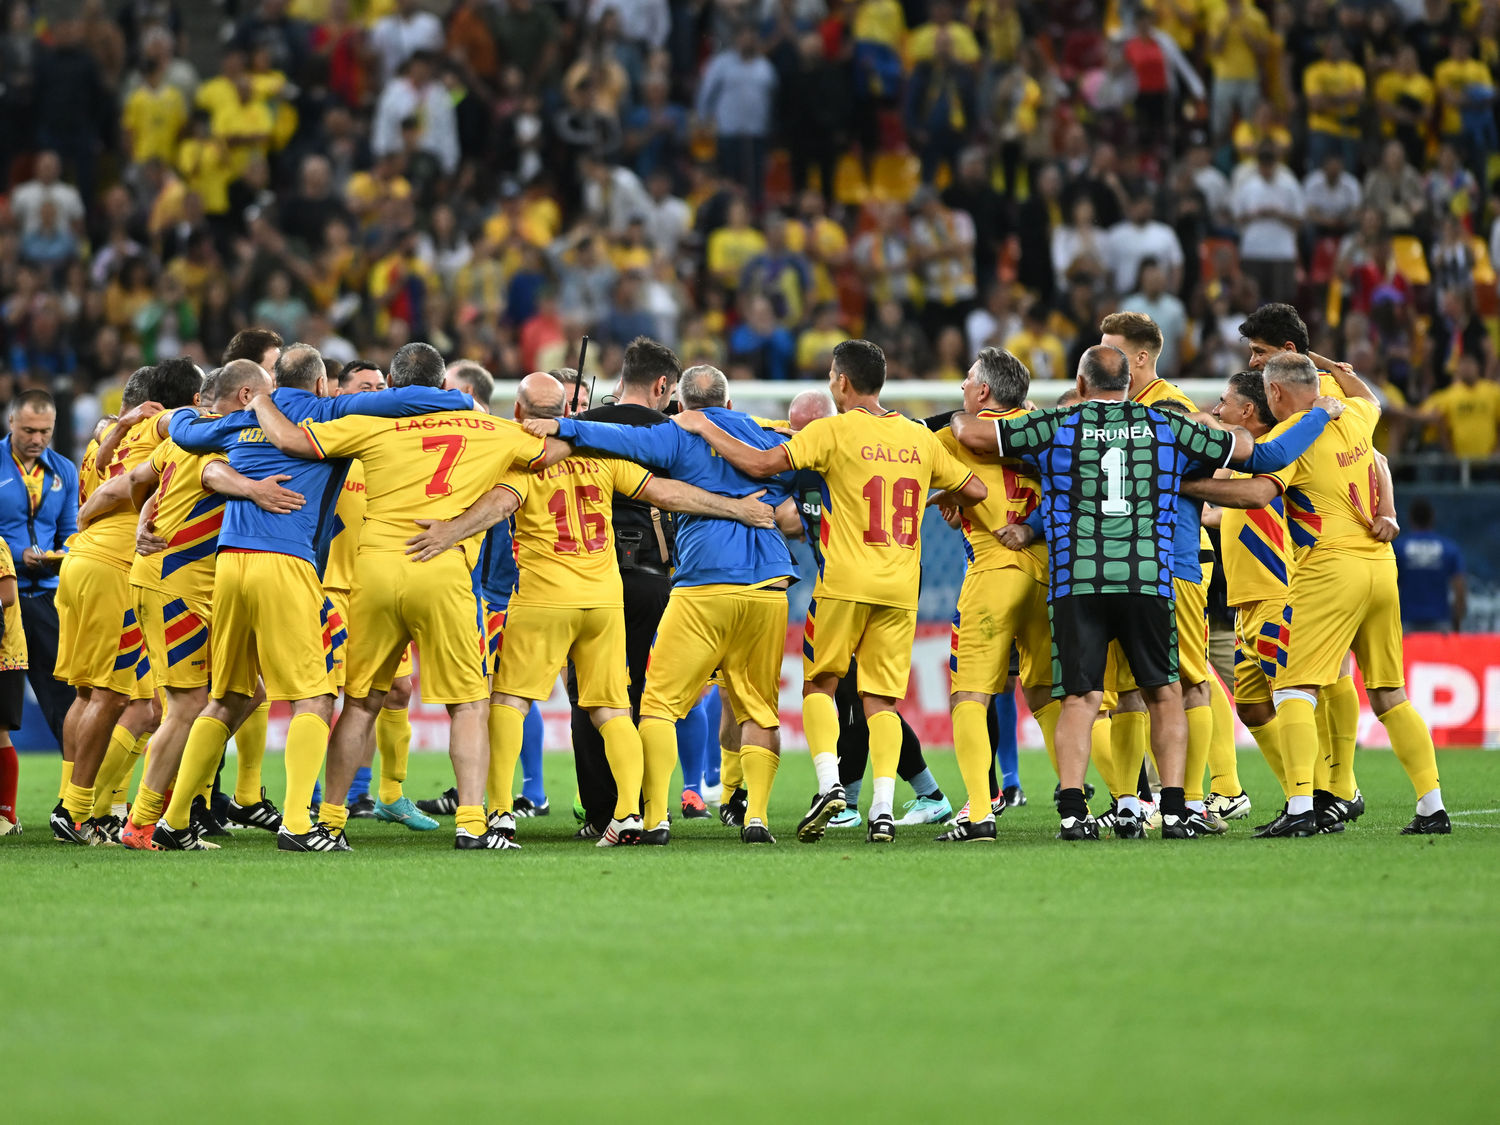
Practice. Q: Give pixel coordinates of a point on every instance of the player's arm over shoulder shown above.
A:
(952, 476)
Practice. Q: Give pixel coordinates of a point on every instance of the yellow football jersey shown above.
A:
(877, 470)
(88, 474)
(1256, 553)
(348, 518)
(188, 517)
(564, 536)
(111, 539)
(13, 643)
(1331, 490)
(1159, 390)
(1015, 492)
(431, 466)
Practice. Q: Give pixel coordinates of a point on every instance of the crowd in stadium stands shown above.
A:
(753, 181)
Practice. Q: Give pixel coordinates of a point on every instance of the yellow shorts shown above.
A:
(176, 633)
(740, 631)
(878, 636)
(336, 625)
(397, 600)
(269, 622)
(494, 637)
(541, 638)
(995, 609)
(1261, 630)
(1342, 602)
(1192, 639)
(99, 643)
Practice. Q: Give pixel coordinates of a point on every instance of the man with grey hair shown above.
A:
(1003, 600)
(1343, 591)
(727, 609)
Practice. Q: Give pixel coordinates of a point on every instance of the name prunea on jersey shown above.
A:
(1117, 433)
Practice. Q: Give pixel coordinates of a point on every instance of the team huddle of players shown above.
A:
(267, 534)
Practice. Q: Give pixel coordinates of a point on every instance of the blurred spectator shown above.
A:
(815, 346)
(1457, 334)
(1162, 306)
(1141, 236)
(906, 349)
(418, 103)
(656, 130)
(1271, 208)
(882, 255)
(1429, 575)
(168, 323)
(993, 322)
(779, 274)
(75, 115)
(400, 35)
(612, 194)
(1081, 248)
(1467, 411)
(973, 192)
(733, 245)
(51, 243)
(1037, 346)
(528, 33)
(761, 343)
(1394, 189)
(668, 218)
(1450, 186)
(949, 358)
(1238, 38)
(1335, 89)
(1467, 91)
(815, 111)
(1036, 223)
(1332, 198)
(1404, 98)
(280, 309)
(1451, 259)
(942, 241)
(940, 104)
(736, 95)
(29, 199)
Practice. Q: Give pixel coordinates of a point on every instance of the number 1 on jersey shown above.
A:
(1115, 503)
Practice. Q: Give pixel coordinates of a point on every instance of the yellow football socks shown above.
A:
(64, 779)
(820, 725)
(971, 746)
(1342, 701)
(1411, 742)
(1047, 718)
(659, 745)
(1101, 751)
(393, 741)
(79, 802)
(306, 747)
(471, 819)
(1323, 764)
(1298, 721)
(1223, 758)
(333, 817)
(885, 746)
(116, 764)
(506, 733)
(147, 808)
(1200, 722)
(760, 774)
(1268, 738)
(1129, 736)
(249, 755)
(622, 746)
(205, 745)
(731, 770)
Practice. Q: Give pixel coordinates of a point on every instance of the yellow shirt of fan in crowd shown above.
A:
(877, 470)
(564, 537)
(1471, 412)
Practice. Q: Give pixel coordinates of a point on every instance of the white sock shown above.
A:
(884, 796)
(1430, 802)
(1296, 806)
(827, 766)
(1196, 806)
(1131, 805)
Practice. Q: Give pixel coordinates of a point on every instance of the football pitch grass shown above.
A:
(1348, 978)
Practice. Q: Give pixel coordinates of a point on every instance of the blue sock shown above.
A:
(533, 788)
(924, 784)
(851, 792)
(692, 739)
(713, 711)
(317, 792)
(360, 786)
(1006, 749)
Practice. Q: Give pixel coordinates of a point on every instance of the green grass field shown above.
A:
(1340, 978)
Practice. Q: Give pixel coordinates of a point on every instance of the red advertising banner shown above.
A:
(1454, 681)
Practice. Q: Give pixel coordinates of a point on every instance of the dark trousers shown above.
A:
(645, 602)
(854, 735)
(39, 622)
